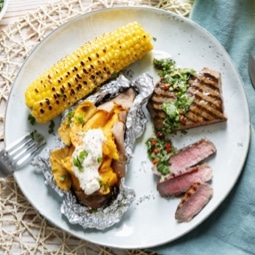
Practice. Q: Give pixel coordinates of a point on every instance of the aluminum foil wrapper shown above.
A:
(104, 218)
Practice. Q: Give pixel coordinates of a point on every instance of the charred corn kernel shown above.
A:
(78, 74)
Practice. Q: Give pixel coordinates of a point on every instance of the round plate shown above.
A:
(3, 11)
(150, 221)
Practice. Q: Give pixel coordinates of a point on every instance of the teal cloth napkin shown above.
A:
(231, 228)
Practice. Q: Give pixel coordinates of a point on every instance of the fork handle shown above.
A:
(5, 170)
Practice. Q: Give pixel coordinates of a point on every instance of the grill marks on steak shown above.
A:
(176, 185)
(154, 105)
(193, 201)
(207, 107)
(208, 103)
(191, 155)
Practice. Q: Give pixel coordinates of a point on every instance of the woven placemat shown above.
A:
(22, 229)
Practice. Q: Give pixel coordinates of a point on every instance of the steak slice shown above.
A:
(193, 201)
(191, 155)
(175, 185)
(207, 107)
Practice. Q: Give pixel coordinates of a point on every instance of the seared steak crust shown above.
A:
(193, 201)
(207, 107)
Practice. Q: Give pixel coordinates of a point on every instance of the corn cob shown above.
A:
(78, 74)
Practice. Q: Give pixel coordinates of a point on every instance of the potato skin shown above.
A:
(97, 199)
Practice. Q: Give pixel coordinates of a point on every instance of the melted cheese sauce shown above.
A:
(86, 160)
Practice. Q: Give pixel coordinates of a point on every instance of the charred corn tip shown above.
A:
(78, 74)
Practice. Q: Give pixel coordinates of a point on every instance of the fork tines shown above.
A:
(21, 151)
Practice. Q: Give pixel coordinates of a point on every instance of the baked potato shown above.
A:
(93, 160)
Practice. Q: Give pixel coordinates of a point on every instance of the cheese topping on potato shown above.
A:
(87, 158)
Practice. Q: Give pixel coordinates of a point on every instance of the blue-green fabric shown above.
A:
(230, 230)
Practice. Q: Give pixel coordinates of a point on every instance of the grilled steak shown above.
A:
(207, 106)
(191, 155)
(193, 201)
(175, 185)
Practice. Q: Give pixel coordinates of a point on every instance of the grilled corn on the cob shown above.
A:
(78, 74)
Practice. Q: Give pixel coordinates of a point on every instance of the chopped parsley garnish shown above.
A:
(174, 80)
(62, 178)
(31, 120)
(79, 119)
(83, 154)
(69, 116)
(32, 134)
(114, 76)
(99, 159)
(79, 159)
(105, 186)
(51, 127)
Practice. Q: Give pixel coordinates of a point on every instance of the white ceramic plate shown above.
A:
(150, 221)
(3, 11)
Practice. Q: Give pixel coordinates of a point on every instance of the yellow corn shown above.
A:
(78, 74)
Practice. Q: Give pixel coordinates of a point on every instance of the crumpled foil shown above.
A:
(104, 218)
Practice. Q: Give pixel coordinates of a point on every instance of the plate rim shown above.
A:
(4, 9)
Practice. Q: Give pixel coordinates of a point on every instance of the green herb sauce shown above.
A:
(174, 80)
(159, 151)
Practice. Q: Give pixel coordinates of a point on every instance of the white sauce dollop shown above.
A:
(90, 156)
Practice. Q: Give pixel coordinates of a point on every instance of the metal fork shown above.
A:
(20, 152)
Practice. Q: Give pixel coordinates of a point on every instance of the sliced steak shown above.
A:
(191, 155)
(193, 201)
(175, 185)
(207, 107)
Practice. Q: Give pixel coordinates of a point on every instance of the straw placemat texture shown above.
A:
(22, 229)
